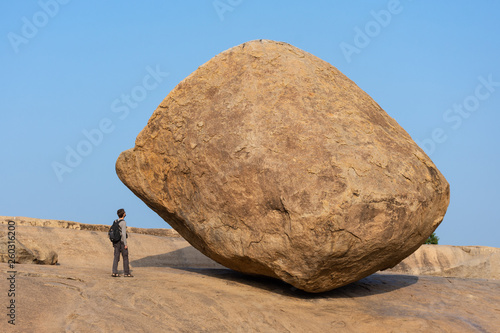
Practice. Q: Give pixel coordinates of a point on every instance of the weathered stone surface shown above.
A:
(30, 221)
(477, 262)
(271, 161)
(79, 295)
(29, 253)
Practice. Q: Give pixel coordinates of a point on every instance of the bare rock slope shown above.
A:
(36, 222)
(27, 253)
(177, 289)
(271, 161)
(478, 262)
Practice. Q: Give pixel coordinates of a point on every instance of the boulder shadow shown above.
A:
(187, 257)
(374, 284)
(191, 260)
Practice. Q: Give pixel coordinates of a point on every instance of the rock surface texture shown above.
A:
(474, 262)
(270, 161)
(79, 295)
(28, 252)
(34, 222)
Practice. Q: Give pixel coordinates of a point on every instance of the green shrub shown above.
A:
(432, 239)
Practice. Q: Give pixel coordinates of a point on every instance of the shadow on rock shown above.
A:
(187, 257)
(191, 260)
(371, 285)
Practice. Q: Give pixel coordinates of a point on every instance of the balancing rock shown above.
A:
(270, 161)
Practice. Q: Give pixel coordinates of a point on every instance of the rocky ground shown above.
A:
(176, 289)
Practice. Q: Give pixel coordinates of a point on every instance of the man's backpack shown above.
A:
(115, 232)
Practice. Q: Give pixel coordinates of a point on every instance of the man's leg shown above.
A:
(116, 258)
(126, 268)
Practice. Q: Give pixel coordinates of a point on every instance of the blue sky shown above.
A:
(77, 69)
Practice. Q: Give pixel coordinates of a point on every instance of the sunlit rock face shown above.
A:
(270, 161)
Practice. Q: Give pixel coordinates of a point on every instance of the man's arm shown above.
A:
(123, 226)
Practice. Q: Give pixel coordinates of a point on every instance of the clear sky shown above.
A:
(83, 77)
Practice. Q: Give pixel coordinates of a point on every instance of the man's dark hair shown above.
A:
(120, 212)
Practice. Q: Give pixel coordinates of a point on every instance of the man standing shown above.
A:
(121, 246)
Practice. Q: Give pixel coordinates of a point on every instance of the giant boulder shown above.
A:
(270, 161)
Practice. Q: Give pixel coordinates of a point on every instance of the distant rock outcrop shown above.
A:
(270, 161)
(31, 253)
(35, 222)
(479, 262)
